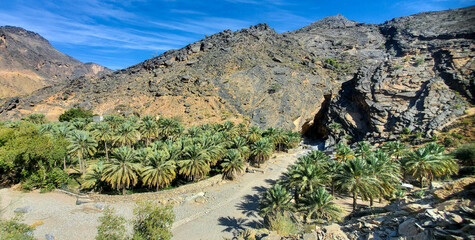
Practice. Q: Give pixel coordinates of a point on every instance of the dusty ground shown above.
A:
(229, 206)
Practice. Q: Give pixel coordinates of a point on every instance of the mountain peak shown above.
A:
(335, 21)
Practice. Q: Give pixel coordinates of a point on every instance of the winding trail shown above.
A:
(231, 206)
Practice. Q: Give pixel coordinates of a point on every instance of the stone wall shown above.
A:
(172, 196)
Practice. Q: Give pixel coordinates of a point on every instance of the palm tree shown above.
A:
(343, 152)
(355, 178)
(363, 149)
(428, 162)
(303, 177)
(232, 164)
(142, 154)
(240, 144)
(261, 150)
(93, 178)
(332, 168)
(36, 118)
(395, 148)
(169, 128)
(254, 135)
(386, 171)
(114, 121)
(126, 135)
(194, 132)
(149, 130)
(292, 139)
(79, 123)
(121, 172)
(46, 128)
(275, 200)
(62, 131)
(318, 156)
(158, 171)
(277, 136)
(81, 143)
(229, 127)
(195, 162)
(335, 129)
(318, 204)
(214, 146)
(241, 129)
(102, 131)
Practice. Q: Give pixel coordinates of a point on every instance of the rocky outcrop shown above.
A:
(412, 72)
(419, 86)
(28, 62)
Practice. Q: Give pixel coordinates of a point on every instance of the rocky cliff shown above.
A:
(414, 72)
(28, 62)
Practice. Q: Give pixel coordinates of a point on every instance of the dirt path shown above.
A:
(231, 206)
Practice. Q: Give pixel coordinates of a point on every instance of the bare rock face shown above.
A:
(430, 65)
(28, 62)
(411, 72)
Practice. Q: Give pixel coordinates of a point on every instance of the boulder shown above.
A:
(451, 205)
(455, 218)
(415, 208)
(272, 236)
(50, 237)
(312, 236)
(410, 227)
(200, 199)
(334, 232)
(25, 209)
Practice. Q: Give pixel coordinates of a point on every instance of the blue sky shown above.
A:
(121, 33)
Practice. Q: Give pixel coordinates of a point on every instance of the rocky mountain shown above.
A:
(411, 72)
(28, 62)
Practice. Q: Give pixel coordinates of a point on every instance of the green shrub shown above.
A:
(46, 180)
(466, 154)
(111, 227)
(398, 66)
(332, 62)
(419, 61)
(14, 230)
(36, 118)
(153, 221)
(449, 142)
(283, 224)
(420, 194)
(456, 135)
(74, 113)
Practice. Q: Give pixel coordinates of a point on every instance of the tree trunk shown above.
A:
(64, 163)
(421, 180)
(296, 197)
(81, 164)
(354, 200)
(123, 191)
(371, 202)
(107, 151)
(333, 188)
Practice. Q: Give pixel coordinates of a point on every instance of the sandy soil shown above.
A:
(229, 206)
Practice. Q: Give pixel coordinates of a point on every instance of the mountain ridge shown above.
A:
(29, 62)
(373, 79)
